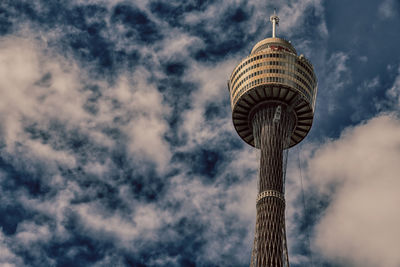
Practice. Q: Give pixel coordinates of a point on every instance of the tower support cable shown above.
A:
(305, 210)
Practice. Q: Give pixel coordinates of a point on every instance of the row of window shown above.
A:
(279, 71)
(257, 58)
(307, 68)
(290, 59)
(274, 80)
(273, 63)
(305, 75)
(254, 66)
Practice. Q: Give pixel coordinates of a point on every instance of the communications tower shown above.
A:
(273, 93)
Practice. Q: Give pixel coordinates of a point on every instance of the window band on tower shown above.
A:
(270, 193)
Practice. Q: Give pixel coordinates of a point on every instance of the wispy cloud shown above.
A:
(387, 9)
(393, 93)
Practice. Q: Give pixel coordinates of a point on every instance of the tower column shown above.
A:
(272, 127)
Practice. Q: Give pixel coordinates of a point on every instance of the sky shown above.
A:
(117, 146)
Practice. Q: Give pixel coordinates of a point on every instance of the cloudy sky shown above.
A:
(117, 146)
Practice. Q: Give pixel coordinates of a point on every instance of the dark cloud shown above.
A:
(5, 21)
(175, 68)
(138, 26)
(174, 11)
(13, 214)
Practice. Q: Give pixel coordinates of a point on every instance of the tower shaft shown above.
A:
(272, 128)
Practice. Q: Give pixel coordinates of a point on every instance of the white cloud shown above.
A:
(293, 15)
(220, 211)
(7, 257)
(359, 171)
(39, 87)
(56, 208)
(141, 223)
(34, 88)
(366, 88)
(337, 75)
(387, 9)
(394, 92)
(176, 45)
(29, 232)
(363, 59)
(212, 83)
(337, 63)
(125, 229)
(146, 114)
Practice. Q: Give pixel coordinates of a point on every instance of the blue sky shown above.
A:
(117, 146)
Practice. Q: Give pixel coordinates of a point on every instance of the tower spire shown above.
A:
(275, 21)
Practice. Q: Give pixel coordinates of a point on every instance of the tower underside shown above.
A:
(272, 128)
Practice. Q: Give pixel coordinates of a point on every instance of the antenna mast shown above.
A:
(275, 21)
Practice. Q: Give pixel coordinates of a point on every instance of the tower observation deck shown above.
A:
(273, 93)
